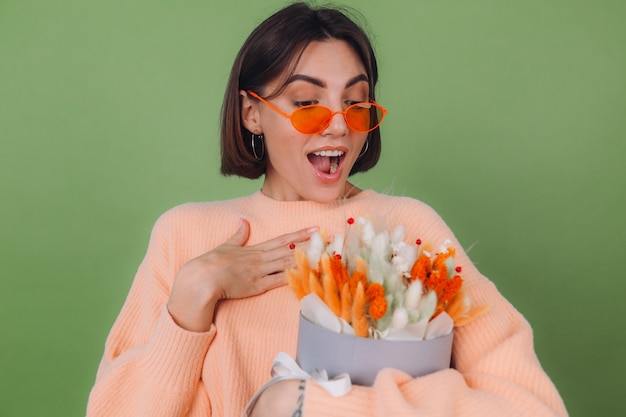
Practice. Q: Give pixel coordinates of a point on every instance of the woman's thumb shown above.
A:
(241, 235)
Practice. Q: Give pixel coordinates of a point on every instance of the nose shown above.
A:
(337, 125)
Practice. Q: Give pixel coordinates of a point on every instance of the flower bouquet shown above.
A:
(372, 301)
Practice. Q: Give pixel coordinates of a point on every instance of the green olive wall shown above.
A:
(506, 117)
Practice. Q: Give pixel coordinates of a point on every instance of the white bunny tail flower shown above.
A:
(398, 234)
(450, 267)
(400, 319)
(380, 247)
(444, 246)
(413, 295)
(368, 234)
(336, 246)
(405, 256)
(316, 247)
(394, 286)
(428, 305)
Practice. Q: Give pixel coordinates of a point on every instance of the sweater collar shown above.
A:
(263, 202)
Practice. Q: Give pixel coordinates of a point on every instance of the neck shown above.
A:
(349, 190)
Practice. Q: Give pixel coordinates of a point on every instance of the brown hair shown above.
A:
(270, 52)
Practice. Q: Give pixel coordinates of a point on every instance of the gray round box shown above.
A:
(362, 358)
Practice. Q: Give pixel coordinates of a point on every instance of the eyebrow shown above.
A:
(320, 83)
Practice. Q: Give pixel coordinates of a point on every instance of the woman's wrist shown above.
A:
(192, 307)
(282, 399)
(193, 321)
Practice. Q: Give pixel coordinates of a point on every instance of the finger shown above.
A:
(241, 235)
(271, 281)
(282, 256)
(279, 264)
(299, 245)
(285, 240)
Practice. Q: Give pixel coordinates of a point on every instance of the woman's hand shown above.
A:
(231, 270)
(282, 399)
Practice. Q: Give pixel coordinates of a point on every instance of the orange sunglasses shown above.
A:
(360, 117)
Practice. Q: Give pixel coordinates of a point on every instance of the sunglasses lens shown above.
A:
(311, 119)
(360, 117)
(364, 117)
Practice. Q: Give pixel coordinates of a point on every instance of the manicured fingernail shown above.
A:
(312, 229)
(240, 221)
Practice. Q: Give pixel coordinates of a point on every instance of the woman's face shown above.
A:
(312, 166)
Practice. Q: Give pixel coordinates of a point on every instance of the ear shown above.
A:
(250, 116)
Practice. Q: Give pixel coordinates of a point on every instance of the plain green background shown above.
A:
(506, 116)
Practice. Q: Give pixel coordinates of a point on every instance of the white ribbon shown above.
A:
(285, 368)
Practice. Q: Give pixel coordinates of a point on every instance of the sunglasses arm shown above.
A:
(270, 105)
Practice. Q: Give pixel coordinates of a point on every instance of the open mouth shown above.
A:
(328, 161)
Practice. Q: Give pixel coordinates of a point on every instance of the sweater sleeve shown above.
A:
(495, 369)
(151, 366)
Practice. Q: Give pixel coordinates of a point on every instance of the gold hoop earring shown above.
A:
(261, 146)
(366, 147)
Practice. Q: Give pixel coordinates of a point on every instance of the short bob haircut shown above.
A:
(271, 52)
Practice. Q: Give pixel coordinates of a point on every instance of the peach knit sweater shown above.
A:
(151, 367)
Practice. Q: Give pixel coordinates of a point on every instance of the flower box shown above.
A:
(362, 358)
(372, 299)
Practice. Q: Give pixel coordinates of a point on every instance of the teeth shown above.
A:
(329, 153)
(334, 164)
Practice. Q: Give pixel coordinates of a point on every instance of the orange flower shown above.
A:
(374, 291)
(346, 302)
(460, 309)
(298, 277)
(302, 262)
(359, 319)
(331, 294)
(305, 281)
(324, 265)
(339, 271)
(359, 275)
(421, 268)
(473, 313)
(295, 282)
(450, 289)
(315, 285)
(440, 260)
(375, 294)
(378, 308)
(435, 280)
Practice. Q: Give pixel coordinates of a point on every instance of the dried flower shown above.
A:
(377, 282)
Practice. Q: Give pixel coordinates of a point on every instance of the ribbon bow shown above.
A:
(285, 368)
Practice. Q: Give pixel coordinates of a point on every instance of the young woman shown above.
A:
(209, 310)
